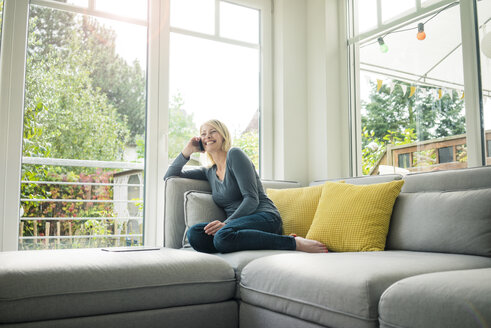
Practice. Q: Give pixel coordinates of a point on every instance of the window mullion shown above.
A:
(472, 84)
(217, 18)
(12, 75)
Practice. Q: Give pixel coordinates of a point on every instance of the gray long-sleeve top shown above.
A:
(240, 193)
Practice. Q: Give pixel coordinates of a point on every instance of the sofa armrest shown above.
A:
(174, 191)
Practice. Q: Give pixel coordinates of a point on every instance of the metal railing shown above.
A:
(113, 230)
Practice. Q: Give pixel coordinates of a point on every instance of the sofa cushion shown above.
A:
(43, 285)
(297, 207)
(443, 299)
(451, 180)
(351, 218)
(338, 289)
(199, 207)
(238, 260)
(446, 221)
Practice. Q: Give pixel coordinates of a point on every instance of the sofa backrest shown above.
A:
(447, 211)
(174, 193)
(364, 180)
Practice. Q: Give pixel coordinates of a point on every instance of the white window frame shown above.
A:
(265, 51)
(472, 78)
(12, 77)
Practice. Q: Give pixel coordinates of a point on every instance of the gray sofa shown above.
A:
(435, 271)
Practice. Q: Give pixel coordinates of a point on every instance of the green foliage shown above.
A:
(1, 19)
(249, 143)
(121, 82)
(66, 117)
(181, 126)
(373, 148)
(71, 111)
(428, 116)
(392, 117)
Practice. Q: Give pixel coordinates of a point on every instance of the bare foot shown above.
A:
(310, 246)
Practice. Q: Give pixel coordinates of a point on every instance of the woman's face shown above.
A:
(211, 138)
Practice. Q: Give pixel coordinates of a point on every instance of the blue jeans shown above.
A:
(257, 231)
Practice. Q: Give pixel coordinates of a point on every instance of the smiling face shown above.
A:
(211, 138)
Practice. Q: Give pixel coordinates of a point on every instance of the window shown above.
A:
(445, 155)
(409, 84)
(404, 160)
(84, 125)
(484, 33)
(215, 72)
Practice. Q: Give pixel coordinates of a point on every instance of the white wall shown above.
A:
(290, 91)
(311, 137)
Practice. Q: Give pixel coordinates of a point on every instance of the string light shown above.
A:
(421, 32)
(383, 47)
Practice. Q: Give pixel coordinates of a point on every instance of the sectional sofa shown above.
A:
(435, 271)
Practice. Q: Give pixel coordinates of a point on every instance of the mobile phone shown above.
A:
(201, 147)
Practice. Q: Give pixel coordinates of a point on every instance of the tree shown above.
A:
(181, 126)
(249, 143)
(66, 117)
(428, 116)
(392, 117)
(121, 82)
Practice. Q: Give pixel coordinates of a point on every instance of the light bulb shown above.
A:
(383, 47)
(421, 32)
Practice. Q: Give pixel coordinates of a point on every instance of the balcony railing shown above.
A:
(113, 225)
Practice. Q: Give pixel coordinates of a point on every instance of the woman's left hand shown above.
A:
(213, 227)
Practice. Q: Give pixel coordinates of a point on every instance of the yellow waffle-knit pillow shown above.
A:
(351, 218)
(297, 207)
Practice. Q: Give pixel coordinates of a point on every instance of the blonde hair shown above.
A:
(223, 131)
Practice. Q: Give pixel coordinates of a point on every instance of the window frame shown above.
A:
(12, 64)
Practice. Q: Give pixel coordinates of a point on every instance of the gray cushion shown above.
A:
(439, 300)
(451, 180)
(338, 289)
(43, 285)
(363, 180)
(199, 207)
(451, 222)
(212, 315)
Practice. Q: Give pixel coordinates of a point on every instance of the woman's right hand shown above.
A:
(191, 147)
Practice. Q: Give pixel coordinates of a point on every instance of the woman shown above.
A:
(253, 221)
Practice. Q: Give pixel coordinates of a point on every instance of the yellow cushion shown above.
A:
(351, 218)
(297, 207)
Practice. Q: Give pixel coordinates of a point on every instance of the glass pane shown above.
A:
(193, 15)
(84, 128)
(484, 19)
(426, 3)
(79, 3)
(411, 96)
(367, 15)
(239, 23)
(404, 160)
(392, 10)
(127, 8)
(221, 81)
(445, 154)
